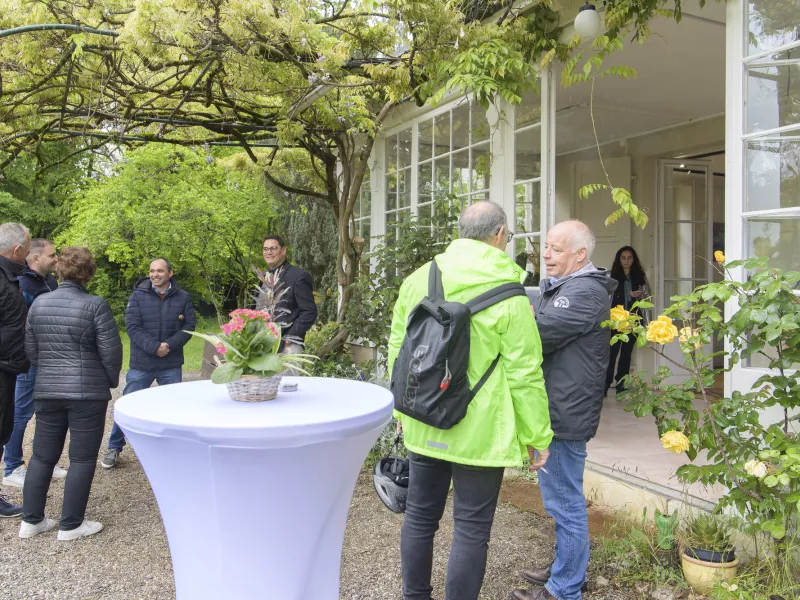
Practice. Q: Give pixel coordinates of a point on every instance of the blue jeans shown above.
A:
(141, 380)
(562, 494)
(23, 411)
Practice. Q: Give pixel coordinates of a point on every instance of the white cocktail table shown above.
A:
(254, 496)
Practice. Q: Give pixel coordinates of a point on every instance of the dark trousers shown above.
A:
(475, 492)
(85, 421)
(8, 384)
(625, 351)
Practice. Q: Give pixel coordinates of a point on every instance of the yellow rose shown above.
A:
(661, 331)
(756, 468)
(719, 256)
(618, 313)
(688, 332)
(675, 441)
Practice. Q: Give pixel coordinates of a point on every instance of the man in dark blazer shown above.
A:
(295, 308)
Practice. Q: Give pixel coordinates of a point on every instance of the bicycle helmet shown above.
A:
(390, 478)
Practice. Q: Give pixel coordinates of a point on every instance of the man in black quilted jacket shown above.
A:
(158, 315)
(15, 241)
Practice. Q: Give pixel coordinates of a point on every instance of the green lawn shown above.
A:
(192, 352)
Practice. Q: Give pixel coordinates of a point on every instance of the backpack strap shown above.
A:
(435, 289)
(474, 391)
(495, 295)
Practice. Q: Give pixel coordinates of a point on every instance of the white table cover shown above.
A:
(254, 496)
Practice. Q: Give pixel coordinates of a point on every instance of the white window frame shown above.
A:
(742, 377)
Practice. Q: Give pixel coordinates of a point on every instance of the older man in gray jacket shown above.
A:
(574, 302)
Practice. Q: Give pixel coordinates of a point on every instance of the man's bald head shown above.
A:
(483, 221)
(568, 248)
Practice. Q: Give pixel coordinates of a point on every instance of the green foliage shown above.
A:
(340, 364)
(399, 253)
(629, 554)
(209, 221)
(749, 437)
(37, 188)
(707, 532)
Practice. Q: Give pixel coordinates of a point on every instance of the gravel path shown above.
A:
(129, 559)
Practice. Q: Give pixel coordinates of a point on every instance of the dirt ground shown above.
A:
(130, 560)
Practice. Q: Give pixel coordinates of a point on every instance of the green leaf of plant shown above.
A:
(267, 362)
(226, 372)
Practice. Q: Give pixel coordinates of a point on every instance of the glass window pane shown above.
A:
(391, 153)
(426, 140)
(530, 111)
(527, 255)
(479, 127)
(679, 288)
(404, 188)
(773, 94)
(404, 148)
(461, 172)
(366, 232)
(425, 214)
(481, 164)
(685, 195)
(526, 208)
(528, 154)
(777, 238)
(685, 251)
(391, 191)
(773, 173)
(425, 180)
(366, 201)
(442, 134)
(441, 179)
(461, 126)
(772, 23)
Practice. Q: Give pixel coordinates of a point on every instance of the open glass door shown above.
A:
(686, 249)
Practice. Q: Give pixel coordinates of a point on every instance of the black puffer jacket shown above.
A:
(73, 340)
(151, 320)
(13, 310)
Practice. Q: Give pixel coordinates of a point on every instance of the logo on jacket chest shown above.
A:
(561, 302)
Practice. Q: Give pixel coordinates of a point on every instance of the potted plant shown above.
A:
(708, 555)
(251, 366)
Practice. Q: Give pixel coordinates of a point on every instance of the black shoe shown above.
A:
(8, 510)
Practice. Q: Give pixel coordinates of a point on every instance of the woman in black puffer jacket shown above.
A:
(632, 286)
(73, 340)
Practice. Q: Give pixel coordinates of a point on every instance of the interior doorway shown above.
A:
(692, 225)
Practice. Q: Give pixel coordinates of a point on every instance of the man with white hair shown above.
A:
(15, 242)
(574, 302)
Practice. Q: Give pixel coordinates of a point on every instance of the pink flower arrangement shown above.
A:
(249, 345)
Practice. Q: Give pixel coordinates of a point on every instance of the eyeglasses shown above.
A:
(509, 235)
(272, 249)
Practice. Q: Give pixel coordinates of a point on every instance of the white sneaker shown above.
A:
(85, 529)
(17, 477)
(59, 473)
(26, 530)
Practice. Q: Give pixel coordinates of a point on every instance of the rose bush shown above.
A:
(749, 438)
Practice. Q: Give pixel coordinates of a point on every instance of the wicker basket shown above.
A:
(252, 388)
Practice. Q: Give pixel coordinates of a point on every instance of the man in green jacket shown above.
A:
(507, 420)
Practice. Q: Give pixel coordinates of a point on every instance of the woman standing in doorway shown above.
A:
(632, 286)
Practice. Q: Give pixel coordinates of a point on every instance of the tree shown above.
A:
(319, 76)
(207, 219)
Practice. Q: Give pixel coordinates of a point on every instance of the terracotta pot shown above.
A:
(702, 575)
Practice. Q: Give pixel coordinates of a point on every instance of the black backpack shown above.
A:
(429, 378)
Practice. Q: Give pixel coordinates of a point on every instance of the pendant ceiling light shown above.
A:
(587, 23)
